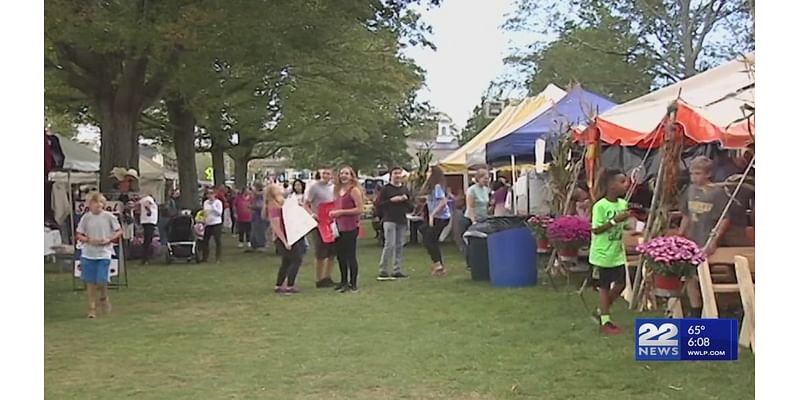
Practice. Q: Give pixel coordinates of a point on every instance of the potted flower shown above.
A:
(568, 234)
(539, 225)
(670, 258)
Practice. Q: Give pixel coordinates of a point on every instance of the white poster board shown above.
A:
(114, 207)
(297, 221)
(113, 267)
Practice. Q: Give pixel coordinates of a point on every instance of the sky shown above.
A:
(470, 51)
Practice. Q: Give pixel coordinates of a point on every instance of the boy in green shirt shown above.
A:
(607, 251)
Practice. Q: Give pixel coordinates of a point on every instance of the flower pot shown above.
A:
(568, 254)
(667, 286)
(542, 245)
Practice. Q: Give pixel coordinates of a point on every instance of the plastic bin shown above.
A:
(477, 236)
(512, 258)
(478, 257)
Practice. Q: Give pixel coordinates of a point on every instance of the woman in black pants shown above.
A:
(435, 189)
(291, 255)
(349, 206)
(212, 208)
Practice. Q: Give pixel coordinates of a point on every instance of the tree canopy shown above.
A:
(254, 77)
(675, 39)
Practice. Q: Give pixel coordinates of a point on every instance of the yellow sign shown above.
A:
(209, 173)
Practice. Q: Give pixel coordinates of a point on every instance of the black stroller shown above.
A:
(181, 243)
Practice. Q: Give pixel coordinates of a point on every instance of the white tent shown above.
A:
(82, 165)
(82, 158)
(710, 106)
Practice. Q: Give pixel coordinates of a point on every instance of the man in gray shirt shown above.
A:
(318, 193)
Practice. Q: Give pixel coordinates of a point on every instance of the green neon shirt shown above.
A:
(607, 249)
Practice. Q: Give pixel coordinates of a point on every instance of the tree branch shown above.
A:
(709, 20)
(154, 88)
(92, 63)
(605, 51)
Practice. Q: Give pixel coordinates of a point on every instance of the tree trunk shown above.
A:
(119, 142)
(240, 171)
(218, 164)
(183, 123)
(687, 35)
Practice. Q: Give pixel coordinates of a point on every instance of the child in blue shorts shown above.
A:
(97, 230)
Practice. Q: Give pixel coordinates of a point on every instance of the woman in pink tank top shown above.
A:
(347, 215)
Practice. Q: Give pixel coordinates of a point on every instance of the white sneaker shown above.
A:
(249, 245)
(241, 245)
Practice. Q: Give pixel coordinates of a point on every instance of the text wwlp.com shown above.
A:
(704, 353)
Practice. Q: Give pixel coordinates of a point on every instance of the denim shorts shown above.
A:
(95, 271)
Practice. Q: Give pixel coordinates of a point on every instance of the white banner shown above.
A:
(114, 207)
(297, 221)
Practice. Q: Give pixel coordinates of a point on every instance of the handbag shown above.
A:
(334, 229)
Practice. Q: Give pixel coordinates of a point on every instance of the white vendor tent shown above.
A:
(710, 107)
(82, 165)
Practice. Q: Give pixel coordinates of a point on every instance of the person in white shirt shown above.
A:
(213, 209)
(148, 217)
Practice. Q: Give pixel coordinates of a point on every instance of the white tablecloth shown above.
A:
(52, 238)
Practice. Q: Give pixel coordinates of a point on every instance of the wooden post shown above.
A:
(747, 291)
(648, 231)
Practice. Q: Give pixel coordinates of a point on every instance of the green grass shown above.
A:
(217, 332)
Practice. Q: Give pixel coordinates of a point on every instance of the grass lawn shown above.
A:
(204, 332)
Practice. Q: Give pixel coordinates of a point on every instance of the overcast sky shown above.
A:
(471, 47)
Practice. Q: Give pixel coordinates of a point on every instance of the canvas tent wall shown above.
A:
(711, 114)
(82, 165)
(472, 152)
(711, 107)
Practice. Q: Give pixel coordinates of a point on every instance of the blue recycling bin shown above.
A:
(512, 258)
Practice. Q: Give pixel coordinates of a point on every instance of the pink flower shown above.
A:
(570, 230)
(674, 251)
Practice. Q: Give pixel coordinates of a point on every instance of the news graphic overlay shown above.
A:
(686, 340)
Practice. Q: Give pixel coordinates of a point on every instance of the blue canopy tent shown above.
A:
(573, 110)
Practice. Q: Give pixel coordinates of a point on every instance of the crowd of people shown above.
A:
(254, 213)
(336, 201)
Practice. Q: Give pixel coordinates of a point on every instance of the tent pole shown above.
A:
(71, 209)
(637, 281)
(514, 184)
(528, 191)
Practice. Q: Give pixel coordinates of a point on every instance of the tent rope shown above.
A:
(636, 170)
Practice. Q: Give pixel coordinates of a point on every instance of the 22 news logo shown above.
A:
(657, 341)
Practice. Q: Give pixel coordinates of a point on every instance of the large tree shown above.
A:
(680, 37)
(123, 56)
(600, 54)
